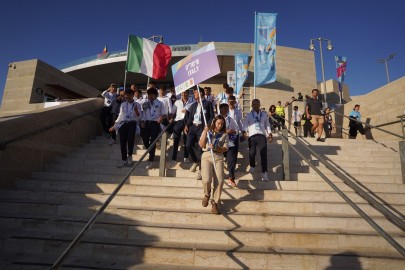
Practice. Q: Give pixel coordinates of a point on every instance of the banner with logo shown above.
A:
(340, 70)
(195, 68)
(265, 48)
(230, 78)
(241, 71)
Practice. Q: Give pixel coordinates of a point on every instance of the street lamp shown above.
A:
(386, 64)
(329, 47)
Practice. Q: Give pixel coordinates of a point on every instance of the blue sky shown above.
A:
(59, 32)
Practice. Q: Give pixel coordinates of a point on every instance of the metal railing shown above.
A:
(377, 205)
(58, 263)
(3, 144)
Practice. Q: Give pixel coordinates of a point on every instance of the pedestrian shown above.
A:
(232, 129)
(129, 114)
(355, 126)
(296, 117)
(306, 123)
(328, 125)
(314, 111)
(180, 109)
(212, 163)
(256, 128)
(153, 114)
(195, 125)
(115, 110)
(280, 111)
(106, 116)
(273, 118)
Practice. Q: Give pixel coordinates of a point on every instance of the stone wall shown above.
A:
(21, 158)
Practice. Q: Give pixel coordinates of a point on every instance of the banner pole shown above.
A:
(206, 124)
(254, 55)
(126, 64)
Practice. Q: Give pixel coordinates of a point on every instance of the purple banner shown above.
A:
(195, 68)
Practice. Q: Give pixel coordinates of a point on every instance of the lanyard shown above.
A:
(258, 117)
(217, 137)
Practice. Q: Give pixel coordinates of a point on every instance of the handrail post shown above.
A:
(162, 162)
(402, 159)
(285, 155)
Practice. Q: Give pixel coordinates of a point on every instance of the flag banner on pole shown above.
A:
(340, 70)
(195, 68)
(241, 71)
(148, 57)
(265, 48)
(104, 54)
(230, 78)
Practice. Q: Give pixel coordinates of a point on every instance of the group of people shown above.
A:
(211, 129)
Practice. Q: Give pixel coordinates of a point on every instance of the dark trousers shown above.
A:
(231, 158)
(193, 136)
(106, 118)
(354, 127)
(149, 135)
(307, 128)
(260, 142)
(113, 134)
(127, 139)
(178, 128)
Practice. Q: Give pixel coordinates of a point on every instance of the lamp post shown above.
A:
(386, 64)
(329, 47)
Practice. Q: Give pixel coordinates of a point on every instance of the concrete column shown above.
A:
(285, 155)
(402, 157)
(163, 150)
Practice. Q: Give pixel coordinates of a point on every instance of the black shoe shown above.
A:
(320, 140)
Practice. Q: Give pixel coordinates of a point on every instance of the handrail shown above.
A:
(3, 144)
(93, 219)
(371, 126)
(386, 212)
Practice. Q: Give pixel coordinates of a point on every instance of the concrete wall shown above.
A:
(381, 106)
(21, 158)
(25, 80)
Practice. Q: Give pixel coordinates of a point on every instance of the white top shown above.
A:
(108, 98)
(237, 115)
(140, 100)
(296, 115)
(153, 110)
(180, 108)
(127, 112)
(166, 101)
(257, 123)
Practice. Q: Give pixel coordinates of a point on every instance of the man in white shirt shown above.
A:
(130, 112)
(180, 109)
(256, 128)
(296, 117)
(109, 96)
(153, 113)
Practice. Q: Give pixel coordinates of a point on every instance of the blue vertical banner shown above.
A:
(241, 71)
(340, 70)
(265, 48)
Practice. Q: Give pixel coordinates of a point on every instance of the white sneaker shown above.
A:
(124, 163)
(251, 170)
(149, 165)
(129, 160)
(111, 142)
(199, 177)
(265, 177)
(193, 167)
(186, 160)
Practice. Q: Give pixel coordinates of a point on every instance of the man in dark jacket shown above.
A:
(195, 124)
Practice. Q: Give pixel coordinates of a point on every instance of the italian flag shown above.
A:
(147, 57)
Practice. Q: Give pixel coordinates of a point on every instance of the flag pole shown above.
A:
(126, 64)
(206, 124)
(254, 55)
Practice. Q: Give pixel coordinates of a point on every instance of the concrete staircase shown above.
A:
(158, 222)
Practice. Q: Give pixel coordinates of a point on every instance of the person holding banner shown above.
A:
(256, 128)
(153, 113)
(195, 125)
(212, 165)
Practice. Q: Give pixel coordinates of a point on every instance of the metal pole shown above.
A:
(386, 69)
(323, 73)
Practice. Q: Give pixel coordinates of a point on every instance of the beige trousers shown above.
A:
(208, 173)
